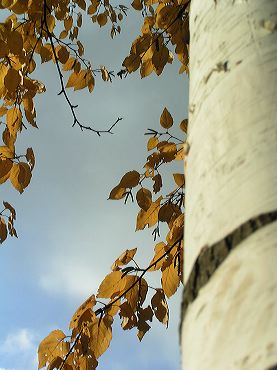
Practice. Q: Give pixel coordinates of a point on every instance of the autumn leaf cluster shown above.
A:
(125, 291)
(47, 31)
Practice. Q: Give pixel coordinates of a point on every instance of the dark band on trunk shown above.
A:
(210, 258)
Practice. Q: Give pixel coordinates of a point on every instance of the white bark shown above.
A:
(231, 177)
(232, 325)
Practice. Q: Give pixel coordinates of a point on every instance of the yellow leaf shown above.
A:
(52, 346)
(138, 291)
(168, 150)
(14, 120)
(149, 217)
(85, 363)
(124, 258)
(20, 176)
(112, 285)
(101, 335)
(144, 198)
(130, 179)
(159, 59)
(50, 19)
(81, 81)
(69, 64)
(146, 68)
(177, 230)
(152, 143)
(170, 279)
(104, 74)
(117, 192)
(6, 152)
(72, 79)
(166, 119)
(63, 35)
(87, 305)
(158, 261)
(179, 179)
(180, 155)
(132, 63)
(55, 363)
(132, 295)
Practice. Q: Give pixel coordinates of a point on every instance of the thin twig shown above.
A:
(63, 90)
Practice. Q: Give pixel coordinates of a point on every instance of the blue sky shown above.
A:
(69, 234)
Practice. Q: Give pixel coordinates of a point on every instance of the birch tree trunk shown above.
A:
(229, 311)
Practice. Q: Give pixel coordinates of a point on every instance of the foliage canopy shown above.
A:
(43, 31)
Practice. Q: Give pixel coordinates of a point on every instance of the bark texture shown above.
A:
(231, 178)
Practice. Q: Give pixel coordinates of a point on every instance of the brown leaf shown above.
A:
(10, 208)
(14, 120)
(168, 212)
(124, 258)
(159, 306)
(130, 179)
(117, 192)
(12, 80)
(137, 4)
(112, 285)
(166, 119)
(30, 157)
(101, 335)
(144, 198)
(5, 168)
(170, 279)
(157, 183)
(184, 125)
(3, 230)
(179, 179)
(102, 19)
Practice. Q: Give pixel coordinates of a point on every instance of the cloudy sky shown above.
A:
(69, 234)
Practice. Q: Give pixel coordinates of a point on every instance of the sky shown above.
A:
(69, 233)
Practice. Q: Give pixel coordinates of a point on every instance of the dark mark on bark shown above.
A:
(210, 258)
(274, 367)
